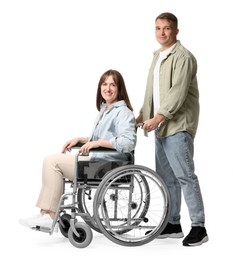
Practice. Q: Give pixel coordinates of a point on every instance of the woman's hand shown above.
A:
(69, 144)
(88, 146)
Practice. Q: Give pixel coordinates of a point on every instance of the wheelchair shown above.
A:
(127, 203)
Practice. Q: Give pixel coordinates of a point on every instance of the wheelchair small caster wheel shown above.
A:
(84, 237)
(64, 224)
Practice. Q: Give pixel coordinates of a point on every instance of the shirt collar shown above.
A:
(116, 104)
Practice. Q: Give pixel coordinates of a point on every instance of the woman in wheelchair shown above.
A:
(114, 128)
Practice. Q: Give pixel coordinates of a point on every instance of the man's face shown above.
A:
(165, 33)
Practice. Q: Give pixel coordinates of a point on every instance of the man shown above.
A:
(171, 109)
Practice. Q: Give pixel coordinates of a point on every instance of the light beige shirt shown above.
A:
(179, 95)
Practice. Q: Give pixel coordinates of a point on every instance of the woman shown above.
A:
(114, 128)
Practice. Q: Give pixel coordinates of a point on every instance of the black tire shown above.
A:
(85, 235)
(64, 224)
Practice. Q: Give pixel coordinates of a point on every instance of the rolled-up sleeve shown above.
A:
(124, 139)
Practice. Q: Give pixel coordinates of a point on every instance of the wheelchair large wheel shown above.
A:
(130, 201)
(85, 205)
(84, 235)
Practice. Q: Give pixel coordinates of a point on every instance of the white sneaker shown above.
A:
(39, 220)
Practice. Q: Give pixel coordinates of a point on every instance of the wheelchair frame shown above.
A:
(130, 205)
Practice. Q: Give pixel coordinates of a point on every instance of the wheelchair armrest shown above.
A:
(108, 150)
(78, 145)
(99, 149)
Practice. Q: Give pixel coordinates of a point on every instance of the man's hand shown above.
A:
(153, 123)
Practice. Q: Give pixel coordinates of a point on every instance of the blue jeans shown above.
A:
(174, 163)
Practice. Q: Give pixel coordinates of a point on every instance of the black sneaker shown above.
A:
(196, 237)
(172, 231)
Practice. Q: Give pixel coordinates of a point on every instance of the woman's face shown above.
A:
(109, 90)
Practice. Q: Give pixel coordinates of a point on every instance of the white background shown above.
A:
(52, 54)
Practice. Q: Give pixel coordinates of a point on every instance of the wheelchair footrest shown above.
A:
(42, 229)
